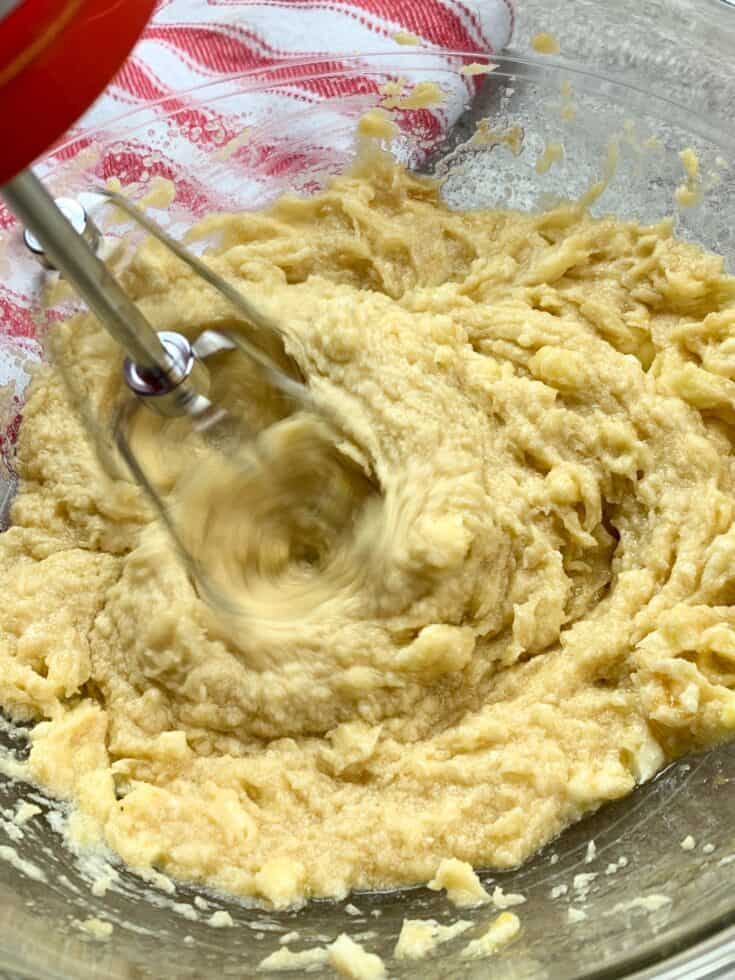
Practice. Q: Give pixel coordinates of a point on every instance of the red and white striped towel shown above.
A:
(192, 42)
(189, 42)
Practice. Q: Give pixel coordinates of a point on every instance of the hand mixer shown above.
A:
(40, 42)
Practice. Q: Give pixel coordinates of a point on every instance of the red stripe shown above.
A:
(472, 17)
(337, 86)
(15, 319)
(133, 161)
(209, 48)
(136, 78)
(10, 437)
(6, 218)
(249, 38)
(260, 159)
(69, 149)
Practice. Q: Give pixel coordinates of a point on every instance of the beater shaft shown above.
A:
(160, 367)
(70, 254)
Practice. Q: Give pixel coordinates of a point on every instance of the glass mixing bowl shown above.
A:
(161, 932)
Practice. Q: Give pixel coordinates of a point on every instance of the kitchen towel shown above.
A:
(189, 42)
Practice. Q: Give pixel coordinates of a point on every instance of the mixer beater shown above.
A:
(60, 54)
(164, 371)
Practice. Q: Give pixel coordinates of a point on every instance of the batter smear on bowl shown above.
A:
(526, 613)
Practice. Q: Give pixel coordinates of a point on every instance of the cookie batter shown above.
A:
(522, 609)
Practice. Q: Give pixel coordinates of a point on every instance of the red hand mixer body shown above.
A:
(56, 57)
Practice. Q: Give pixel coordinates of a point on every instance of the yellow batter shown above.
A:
(526, 602)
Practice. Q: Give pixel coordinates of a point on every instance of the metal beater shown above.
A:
(164, 371)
